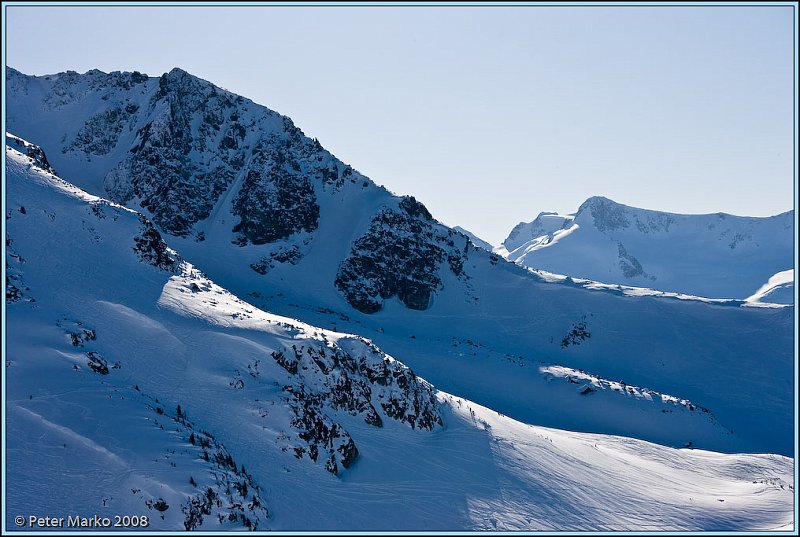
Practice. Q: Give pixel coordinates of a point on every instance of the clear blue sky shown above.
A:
(488, 115)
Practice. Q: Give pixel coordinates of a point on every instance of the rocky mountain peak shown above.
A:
(607, 215)
(179, 149)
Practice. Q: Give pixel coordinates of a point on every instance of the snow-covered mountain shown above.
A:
(206, 165)
(713, 255)
(138, 386)
(271, 216)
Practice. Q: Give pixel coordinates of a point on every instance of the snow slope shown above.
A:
(136, 385)
(347, 255)
(779, 289)
(713, 255)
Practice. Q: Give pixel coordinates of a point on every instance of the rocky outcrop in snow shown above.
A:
(400, 255)
(32, 151)
(275, 200)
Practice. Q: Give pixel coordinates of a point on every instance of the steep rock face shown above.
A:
(284, 175)
(152, 249)
(324, 439)
(400, 255)
(164, 169)
(276, 200)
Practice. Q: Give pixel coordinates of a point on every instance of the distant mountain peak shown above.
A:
(177, 71)
(607, 215)
(597, 200)
(713, 255)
